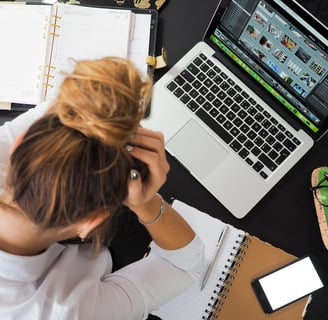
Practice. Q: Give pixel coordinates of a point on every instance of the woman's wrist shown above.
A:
(150, 212)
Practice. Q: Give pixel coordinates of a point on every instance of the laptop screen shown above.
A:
(281, 51)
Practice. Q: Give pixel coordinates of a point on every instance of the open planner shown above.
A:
(228, 294)
(38, 42)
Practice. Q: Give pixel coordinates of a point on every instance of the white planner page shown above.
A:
(192, 303)
(139, 45)
(88, 33)
(23, 42)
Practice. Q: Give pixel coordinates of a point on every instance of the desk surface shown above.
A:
(286, 216)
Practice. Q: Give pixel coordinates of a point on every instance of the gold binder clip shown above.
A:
(158, 62)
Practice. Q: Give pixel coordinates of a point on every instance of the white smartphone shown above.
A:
(288, 284)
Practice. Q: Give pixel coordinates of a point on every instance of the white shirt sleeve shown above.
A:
(143, 286)
(9, 132)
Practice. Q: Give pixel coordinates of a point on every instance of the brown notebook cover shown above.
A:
(257, 259)
(228, 294)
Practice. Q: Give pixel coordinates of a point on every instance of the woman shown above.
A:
(70, 172)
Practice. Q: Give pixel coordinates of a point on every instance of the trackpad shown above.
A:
(196, 149)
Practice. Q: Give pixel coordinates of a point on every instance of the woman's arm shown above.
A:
(167, 228)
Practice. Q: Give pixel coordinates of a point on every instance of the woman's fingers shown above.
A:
(147, 146)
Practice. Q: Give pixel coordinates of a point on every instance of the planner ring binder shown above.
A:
(221, 292)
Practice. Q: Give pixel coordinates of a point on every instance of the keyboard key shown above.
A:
(203, 90)
(266, 123)
(252, 101)
(244, 128)
(256, 151)
(179, 80)
(258, 141)
(223, 134)
(296, 141)
(242, 138)
(223, 75)
(251, 134)
(245, 94)
(228, 101)
(258, 166)
(267, 162)
(234, 131)
(243, 153)
(249, 161)
(187, 87)
(188, 76)
(228, 125)
(217, 79)
(235, 145)
(197, 61)
(178, 92)
(265, 148)
(193, 93)
(196, 84)
(207, 106)
(242, 114)
(215, 88)
(224, 86)
(277, 146)
(185, 98)
(222, 95)
(238, 98)
(210, 96)
(237, 122)
(238, 89)
(224, 109)
(172, 86)
(249, 144)
(200, 100)
(211, 73)
(245, 104)
(231, 115)
(273, 154)
(231, 92)
(192, 105)
(289, 145)
(214, 112)
(193, 69)
(201, 76)
(204, 67)
(263, 175)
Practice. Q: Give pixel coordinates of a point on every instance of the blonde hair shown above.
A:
(73, 160)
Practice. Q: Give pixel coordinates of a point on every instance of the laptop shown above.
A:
(244, 105)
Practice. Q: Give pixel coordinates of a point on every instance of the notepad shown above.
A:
(228, 294)
(39, 42)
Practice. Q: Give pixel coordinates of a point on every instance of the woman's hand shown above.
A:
(147, 146)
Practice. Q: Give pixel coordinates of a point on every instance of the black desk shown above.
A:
(286, 216)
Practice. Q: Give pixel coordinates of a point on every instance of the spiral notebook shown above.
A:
(228, 294)
(38, 42)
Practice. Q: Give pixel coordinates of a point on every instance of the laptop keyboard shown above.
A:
(250, 131)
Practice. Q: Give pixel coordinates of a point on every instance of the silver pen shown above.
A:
(211, 265)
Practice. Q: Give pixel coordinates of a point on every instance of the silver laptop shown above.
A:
(243, 106)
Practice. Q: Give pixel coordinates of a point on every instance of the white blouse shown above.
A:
(66, 282)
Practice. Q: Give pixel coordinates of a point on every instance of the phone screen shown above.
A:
(289, 283)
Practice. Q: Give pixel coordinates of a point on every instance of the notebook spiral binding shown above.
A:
(220, 293)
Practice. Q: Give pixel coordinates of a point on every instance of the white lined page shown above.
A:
(23, 39)
(192, 303)
(88, 33)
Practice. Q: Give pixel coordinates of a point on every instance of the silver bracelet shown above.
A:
(161, 212)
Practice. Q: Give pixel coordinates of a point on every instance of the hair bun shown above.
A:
(104, 99)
